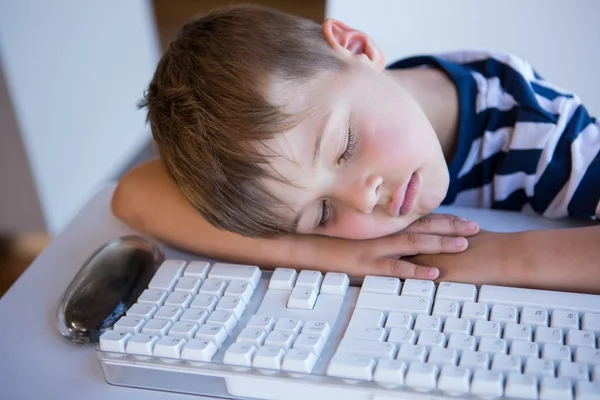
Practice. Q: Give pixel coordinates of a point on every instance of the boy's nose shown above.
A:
(364, 194)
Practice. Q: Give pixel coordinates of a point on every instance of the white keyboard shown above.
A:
(228, 330)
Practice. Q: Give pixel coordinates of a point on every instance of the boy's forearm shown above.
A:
(558, 259)
(148, 201)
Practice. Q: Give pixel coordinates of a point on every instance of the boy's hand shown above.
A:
(432, 234)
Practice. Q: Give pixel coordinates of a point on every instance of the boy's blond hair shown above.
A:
(207, 109)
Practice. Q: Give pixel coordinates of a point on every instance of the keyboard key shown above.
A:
(461, 342)
(400, 336)
(145, 311)
(487, 329)
(487, 383)
(503, 313)
(585, 355)
(461, 292)
(587, 390)
(457, 325)
(288, 325)
(179, 299)
(492, 345)
(240, 289)
(412, 352)
(524, 348)
(351, 366)
(380, 284)
(534, 316)
(169, 313)
(367, 348)
(234, 305)
(591, 322)
(418, 288)
(213, 287)
(317, 328)
(377, 334)
(539, 367)
(215, 333)
(427, 323)
(114, 341)
(580, 338)
(283, 339)
(169, 347)
(261, 321)
(205, 301)
(310, 342)
(362, 319)
(505, 363)
(521, 386)
(155, 297)
(183, 329)
(167, 274)
(398, 320)
(302, 298)
(188, 284)
(198, 350)
(514, 331)
(197, 316)
(547, 299)
(573, 370)
(283, 279)
(421, 375)
(474, 359)
(299, 360)
(141, 344)
(444, 308)
(454, 379)
(255, 336)
(197, 269)
(474, 311)
(129, 324)
(556, 389)
(335, 283)
(544, 334)
(556, 352)
(430, 338)
(441, 356)
(268, 357)
(390, 372)
(224, 318)
(310, 279)
(392, 303)
(564, 319)
(158, 327)
(233, 272)
(239, 354)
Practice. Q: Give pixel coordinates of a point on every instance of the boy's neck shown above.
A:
(435, 92)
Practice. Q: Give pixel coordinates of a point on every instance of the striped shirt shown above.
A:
(524, 144)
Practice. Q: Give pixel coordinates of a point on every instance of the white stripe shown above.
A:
(478, 197)
(490, 143)
(491, 94)
(505, 185)
(551, 106)
(583, 150)
(530, 135)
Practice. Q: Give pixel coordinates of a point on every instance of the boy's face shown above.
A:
(366, 163)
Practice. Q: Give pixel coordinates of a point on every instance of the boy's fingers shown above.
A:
(406, 270)
(443, 224)
(410, 244)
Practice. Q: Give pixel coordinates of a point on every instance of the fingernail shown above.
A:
(432, 272)
(472, 226)
(460, 242)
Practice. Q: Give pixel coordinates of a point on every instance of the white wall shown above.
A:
(560, 38)
(75, 70)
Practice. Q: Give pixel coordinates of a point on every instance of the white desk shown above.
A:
(36, 362)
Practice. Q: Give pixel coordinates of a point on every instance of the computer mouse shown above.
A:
(107, 284)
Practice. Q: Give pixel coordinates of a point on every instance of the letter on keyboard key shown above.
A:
(564, 319)
(233, 272)
(302, 298)
(422, 376)
(283, 279)
(317, 328)
(114, 341)
(239, 354)
(167, 274)
(388, 302)
(335, 283)
(534, 316)
(169, 347)
(580, 338)
(543, 334)
(381, 284)
(553, 351)
(460, 292)
(198, 350)
(351, 366)
(299, 360)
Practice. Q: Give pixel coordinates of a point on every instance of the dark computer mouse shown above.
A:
(107, 284)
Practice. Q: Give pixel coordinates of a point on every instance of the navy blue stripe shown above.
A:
(556, 174)
(492, 119)
(520, 161)
(587, 195)
(483, 173)
(514, 202)
(548, 93)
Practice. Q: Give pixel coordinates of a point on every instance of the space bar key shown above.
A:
(539, 298)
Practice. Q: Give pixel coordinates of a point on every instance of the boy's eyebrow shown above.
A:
(317, 150)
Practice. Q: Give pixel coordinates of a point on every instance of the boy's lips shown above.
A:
(404, 197)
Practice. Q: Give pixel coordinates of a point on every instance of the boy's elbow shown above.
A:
(123, 202)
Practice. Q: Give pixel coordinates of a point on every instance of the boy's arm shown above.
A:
(149, 201)
(553, 259)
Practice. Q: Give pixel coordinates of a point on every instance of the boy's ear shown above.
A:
(343, 38)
